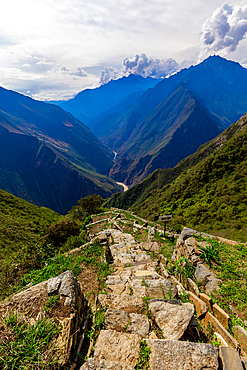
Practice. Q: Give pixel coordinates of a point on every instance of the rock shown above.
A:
(219, 328)
(145, 274)
(241, 335)
(93, 364)
(187, 233)
(201, 307)
(116, 227)
(193, 287)
(164, 272)
(152, 335)
(102, 238)
(161, 289)
(143, 258)
(128, 303)
(64, 285)
(118, 289)
(244, 359)
(230, 359)
(207, 278)
(70, 313)
(118, 348)
(221, 315)
(220, 339)
(190, 244)
(173, 320)
(163, 259)
(202, 274)
(139, 325)
(176, 355)
(212, 286)
(116, 320)
(206, 299)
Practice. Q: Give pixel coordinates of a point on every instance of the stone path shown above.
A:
(142, 305)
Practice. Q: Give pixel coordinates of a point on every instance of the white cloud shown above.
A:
(144, 66)
(224, 30)
(83, 36)
(109, 73)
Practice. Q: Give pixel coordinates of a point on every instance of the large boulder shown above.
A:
(69, 310)
(172, 319)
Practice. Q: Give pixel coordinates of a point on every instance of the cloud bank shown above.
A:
(140, 65)
(224, 30)
(144, 66)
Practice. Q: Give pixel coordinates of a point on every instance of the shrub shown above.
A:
(58, 234)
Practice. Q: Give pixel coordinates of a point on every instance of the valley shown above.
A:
(123, 185)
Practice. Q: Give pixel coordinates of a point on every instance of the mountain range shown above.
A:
(47, 156)
(171, 120)
(90, 103)
(50, 158)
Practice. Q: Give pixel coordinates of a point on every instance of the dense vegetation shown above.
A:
(137, 194)
(31, 235)
(206, 190)
(210, 196)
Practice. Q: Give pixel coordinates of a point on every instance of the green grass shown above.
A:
(28, 346)
(21, 223)
(143, 362)
(231, 269)
(91, 254)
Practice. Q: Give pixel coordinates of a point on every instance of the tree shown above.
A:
(87, 206)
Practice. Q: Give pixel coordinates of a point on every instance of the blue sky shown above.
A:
(52, 49)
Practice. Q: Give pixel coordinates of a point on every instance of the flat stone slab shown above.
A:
(139, 325)
(221, 315)
(241, 335)
(128, 303)
(230, 359)
(116, 320)
(201, 307)
(176, 355)
(219, 328)
(117, 347)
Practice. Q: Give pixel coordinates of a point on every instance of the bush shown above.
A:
(58, 234)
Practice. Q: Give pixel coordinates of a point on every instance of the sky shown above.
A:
(52, 49)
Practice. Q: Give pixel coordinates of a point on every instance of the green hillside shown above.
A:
(138, 193)
(22, 225)
(21, 222)
(211, 196)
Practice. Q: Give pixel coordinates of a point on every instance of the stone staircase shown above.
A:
(143, 315)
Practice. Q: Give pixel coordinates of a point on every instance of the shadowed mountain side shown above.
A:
(32, 170)
(105, 122)
(174, 130)
(134, 133)
(90, 103)
(55, 127)
(162, 177)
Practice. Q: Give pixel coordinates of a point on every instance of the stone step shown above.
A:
(172, 355)
(129, 323)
